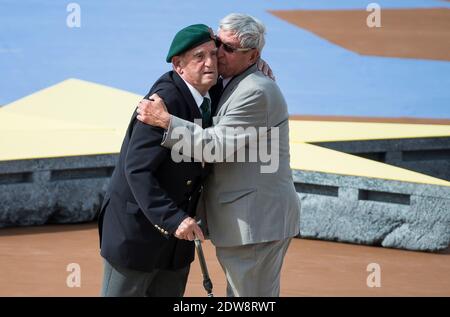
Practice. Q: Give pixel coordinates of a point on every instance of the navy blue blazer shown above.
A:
(149, 194)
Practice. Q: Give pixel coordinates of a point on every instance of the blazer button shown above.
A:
(189, 182)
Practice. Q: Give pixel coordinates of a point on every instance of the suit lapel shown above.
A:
(179, 82)
(215, 92)
(232, 85)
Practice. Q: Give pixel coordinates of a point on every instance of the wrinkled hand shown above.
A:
(188, 230)
(153, 112)
(265, 69)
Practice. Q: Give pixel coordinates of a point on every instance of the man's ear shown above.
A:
(254, 56)
(177, 64)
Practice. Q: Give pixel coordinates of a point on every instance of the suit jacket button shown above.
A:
(189, 182)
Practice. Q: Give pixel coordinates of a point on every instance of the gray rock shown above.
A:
(374, 211)
(57, 190)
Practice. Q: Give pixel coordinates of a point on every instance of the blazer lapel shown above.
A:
(179, 82)
(232, 85)
(215, 92)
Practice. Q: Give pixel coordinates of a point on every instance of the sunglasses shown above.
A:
(228, 48)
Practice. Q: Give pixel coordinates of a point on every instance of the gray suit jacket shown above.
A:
(246, 202)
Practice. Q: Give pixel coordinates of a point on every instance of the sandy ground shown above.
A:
(34, 262)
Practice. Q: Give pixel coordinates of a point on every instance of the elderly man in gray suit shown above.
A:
(251, 214)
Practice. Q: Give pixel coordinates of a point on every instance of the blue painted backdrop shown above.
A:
(123, 44)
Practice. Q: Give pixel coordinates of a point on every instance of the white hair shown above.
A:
(249, 30)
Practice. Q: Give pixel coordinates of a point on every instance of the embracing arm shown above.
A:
(239, 126)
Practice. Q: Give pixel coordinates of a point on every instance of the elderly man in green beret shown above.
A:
(146, 222)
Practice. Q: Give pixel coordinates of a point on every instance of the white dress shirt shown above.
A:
(197, 95)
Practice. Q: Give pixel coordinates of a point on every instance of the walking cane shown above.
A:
(207, 284)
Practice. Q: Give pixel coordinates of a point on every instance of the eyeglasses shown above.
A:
(230, 49)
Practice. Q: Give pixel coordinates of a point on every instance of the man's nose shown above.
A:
(211, 61)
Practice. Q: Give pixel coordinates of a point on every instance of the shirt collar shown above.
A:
(225, 81)
(197, 96)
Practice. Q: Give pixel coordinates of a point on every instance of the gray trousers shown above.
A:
(253, 270)
(123, 282)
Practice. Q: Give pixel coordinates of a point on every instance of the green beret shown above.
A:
(189, 37)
